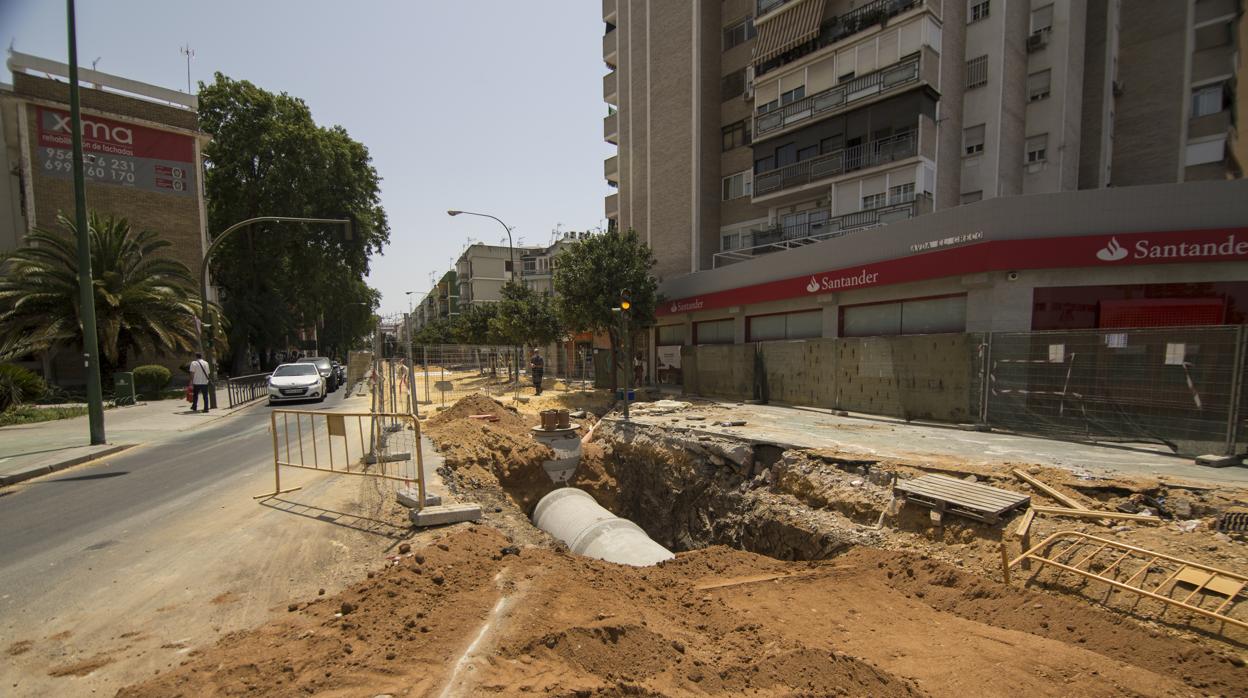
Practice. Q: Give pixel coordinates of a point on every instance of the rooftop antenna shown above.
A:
(93, 64)
(189, 53)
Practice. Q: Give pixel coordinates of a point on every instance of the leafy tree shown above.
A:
(474, 324)
(144, 302)
(525, 316)
(268, 157)
(590, 277)
(437, 331)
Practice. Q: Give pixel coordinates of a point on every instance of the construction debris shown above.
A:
(943, 494)
(1089, 514)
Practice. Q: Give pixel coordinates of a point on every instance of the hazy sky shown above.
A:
(484, 105)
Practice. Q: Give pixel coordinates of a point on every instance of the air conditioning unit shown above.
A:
(1037, 40)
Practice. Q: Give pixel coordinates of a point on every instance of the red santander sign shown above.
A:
(1219, 245)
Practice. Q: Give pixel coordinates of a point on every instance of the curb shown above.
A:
(13, 479)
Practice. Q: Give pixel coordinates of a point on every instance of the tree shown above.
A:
(437, 331)
(473, 326)
(144, 302)
(268, 157)
(591, 276)
(525, 316)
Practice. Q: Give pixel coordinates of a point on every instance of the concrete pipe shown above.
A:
(572, 516)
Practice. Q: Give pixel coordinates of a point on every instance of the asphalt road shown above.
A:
(67, 508)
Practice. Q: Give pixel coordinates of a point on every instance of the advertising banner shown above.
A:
(117, 153)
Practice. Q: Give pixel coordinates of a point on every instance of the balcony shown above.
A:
(610, 47)
(838, 162)
(764, 6)
(836, 28)
(611, 128)
(613, 206)
(776, 237)
(907, 73)
(611, 169)
(610, 91)
(609, 10)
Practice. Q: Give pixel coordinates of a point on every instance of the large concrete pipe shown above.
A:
(572, 516)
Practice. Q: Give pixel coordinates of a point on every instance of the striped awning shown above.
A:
(793, 26)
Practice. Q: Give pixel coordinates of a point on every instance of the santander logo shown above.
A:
(1111, 252)
(813, 285)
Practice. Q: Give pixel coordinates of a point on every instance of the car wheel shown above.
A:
(321, 399)
(271, 403)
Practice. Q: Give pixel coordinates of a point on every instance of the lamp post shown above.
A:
(203, 281)
(511, 248)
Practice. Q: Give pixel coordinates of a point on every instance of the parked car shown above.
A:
(297, 381)
(341, 372)
(326, 369)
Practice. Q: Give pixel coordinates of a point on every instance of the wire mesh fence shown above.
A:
(1180, 387)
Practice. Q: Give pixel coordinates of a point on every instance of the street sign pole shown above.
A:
(86, 285)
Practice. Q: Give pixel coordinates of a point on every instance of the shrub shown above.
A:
(18, 385)
(150, 379)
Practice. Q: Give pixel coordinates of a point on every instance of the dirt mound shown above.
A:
(478, 404)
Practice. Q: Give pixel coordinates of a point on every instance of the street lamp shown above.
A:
(511, 248)
(203, 280)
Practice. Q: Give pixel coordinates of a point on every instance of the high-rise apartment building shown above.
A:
(751, 126)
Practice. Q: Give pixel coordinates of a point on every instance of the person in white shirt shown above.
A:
(199, 381)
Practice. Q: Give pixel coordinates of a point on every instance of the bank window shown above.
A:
(732, 85)
(1206, 100)
(1038, 85)
(977, 72)
(874, 201)
(901, 193)
(739, 33)
(1037, 148)
(670, 334)
(803, 325)
(919, 316)
(736, 135)
(977, 10)
(713, 332)
(738, 185)
(973, 140)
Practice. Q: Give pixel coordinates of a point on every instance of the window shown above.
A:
(713, 332)
(971, 197)
(793, 95)
(736, 240)
(901, 193)
(507, 266)
(736, 135)
(978, 9)
(1042, 19)
(1214, 35)
(977, 72)
(1038, 85)
(807, 153)
(786, 154)
(670, 334)
(874, 201)
(1037, 147)
(919, 316)
(1206, 100)
(732, 85)
(766, 164)
(738, 185)
(739, 33)
(973, 140)
(768, 106)
(803, 325)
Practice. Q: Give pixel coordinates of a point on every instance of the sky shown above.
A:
(481, 105)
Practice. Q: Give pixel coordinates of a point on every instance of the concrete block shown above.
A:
(445, 514)
(409, 496)
(1215, 461)
(391, 458)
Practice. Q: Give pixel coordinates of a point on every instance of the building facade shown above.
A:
(777, 123)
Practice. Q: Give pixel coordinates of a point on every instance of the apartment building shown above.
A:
(440, 303)
(482, 270)
(827, 168)
(745, 127)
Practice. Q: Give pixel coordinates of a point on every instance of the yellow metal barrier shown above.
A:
(334, 454)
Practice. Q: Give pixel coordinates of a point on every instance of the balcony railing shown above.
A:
(612, 205)
(838, 28)
(609, 88)
(611, 168)
(778, 237)
(857, 157)
(840, 97)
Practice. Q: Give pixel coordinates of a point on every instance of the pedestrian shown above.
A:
(536, 368)
(199, 382)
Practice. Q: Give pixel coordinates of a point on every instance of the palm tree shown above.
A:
(144, 302)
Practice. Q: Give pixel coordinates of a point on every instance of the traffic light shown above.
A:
(626, 300)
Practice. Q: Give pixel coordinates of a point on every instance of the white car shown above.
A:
(296, 382)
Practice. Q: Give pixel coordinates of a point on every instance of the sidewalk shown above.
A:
(890, 438)
(31, 450)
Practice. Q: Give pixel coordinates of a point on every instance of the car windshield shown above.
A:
(295, 370)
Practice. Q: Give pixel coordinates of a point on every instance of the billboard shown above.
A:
(117, 153)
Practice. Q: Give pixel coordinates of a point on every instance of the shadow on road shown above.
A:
(376, 527)
(96, 476)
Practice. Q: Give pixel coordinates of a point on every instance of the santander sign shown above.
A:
(1147, 250)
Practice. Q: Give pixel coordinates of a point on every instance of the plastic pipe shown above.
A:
(572, 516)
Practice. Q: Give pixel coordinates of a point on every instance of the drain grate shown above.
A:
(1234, 521)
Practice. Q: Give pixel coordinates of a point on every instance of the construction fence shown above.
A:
(1182, 387)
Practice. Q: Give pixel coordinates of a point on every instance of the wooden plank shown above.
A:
(981, 496)
(1024, 525)
(1089, 514)
(1055, 494)
(1212, 582)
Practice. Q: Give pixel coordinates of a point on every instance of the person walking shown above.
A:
(536, 368)
(199, 382)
